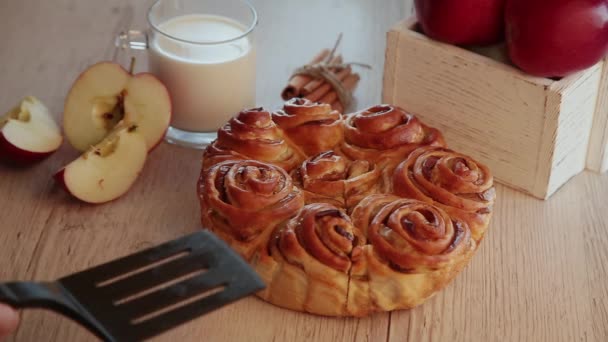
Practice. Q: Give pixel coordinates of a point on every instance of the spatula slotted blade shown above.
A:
(147, 293)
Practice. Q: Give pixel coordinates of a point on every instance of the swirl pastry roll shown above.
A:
(385, 133)
(242, 201)
(309, 259)
(414, 249)
(344, 215)
(330, 178)
(452, 181)
(313, 126)
(252, 135)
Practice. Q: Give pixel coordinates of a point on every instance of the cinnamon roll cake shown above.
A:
(344, 215)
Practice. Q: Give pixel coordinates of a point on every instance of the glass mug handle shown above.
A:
(132, 39)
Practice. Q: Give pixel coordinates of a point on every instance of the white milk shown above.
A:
(208, 84)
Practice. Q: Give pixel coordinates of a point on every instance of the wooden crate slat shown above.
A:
(534, 133)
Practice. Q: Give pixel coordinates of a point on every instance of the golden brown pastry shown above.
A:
(242, 201)
(307, 262)
(344, 216)
(385, 134)
(456, 183)
(252, 134)
(414, 249)
(313, 126)
(330, 178)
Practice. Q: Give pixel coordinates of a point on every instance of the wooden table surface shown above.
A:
(541, 274)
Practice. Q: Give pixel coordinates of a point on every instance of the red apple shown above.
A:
(28, 133)
(106, 94)
(557, 37)
(107, 170)
(462, 22)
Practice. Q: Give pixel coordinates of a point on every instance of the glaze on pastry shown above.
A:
(344, 215)
(312, 126)
(242, 200)
(306, 265)
(330, 178)
(414, 249)
(385, 133)
(252, 134)
(452, 181)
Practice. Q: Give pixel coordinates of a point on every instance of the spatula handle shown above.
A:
(49, 296)
(33, 295)
(40, 295)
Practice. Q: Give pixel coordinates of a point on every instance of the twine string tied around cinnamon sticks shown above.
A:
(324, 71)
(326, 79)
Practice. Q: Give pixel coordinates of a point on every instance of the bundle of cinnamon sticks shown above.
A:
(318, 89)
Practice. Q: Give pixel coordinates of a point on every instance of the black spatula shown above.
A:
(147, 293)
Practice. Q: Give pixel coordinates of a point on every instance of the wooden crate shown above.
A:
(534, 133)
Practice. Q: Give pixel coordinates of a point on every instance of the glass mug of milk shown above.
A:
(203, 51)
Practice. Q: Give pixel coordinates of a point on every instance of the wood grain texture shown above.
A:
(533, 132)
(540, 274)
(597, 159)
(579, 95)
(429, 80)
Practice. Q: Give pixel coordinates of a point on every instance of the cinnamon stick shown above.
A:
(297, 82)
(349, 83)
(326, 87)
(314, 84)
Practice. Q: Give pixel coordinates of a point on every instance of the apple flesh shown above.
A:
(106, 94)
(107, 170)
(462, 22)
(558, 37)
(28, 133)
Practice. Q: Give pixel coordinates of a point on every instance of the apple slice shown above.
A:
(28, 133)
(107, 170)
(106, 94)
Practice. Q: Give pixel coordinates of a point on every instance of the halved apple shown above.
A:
(106, 94)
(107, 170)
(28, 132)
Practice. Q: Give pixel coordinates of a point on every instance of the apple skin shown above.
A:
(59, 178)
(28, 133)
(12, 154)
(558, 37)
(462, 22)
